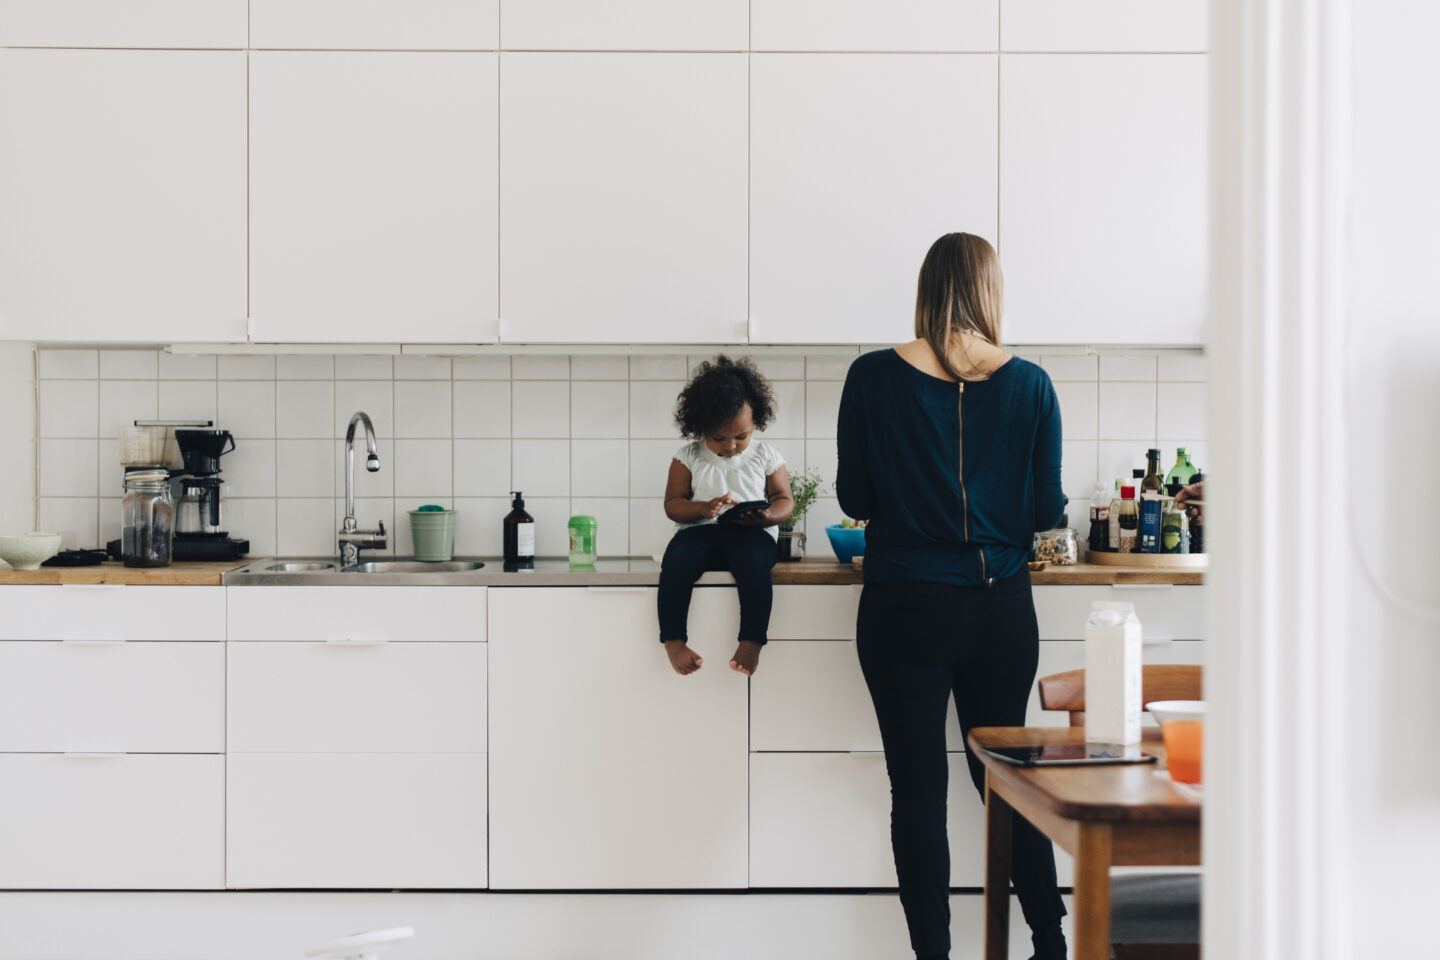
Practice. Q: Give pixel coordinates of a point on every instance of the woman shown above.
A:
(950, 447)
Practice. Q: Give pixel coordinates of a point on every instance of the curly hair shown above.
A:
(716, 393)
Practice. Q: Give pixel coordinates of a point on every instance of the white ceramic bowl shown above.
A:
(1166, 710)
(28, 551)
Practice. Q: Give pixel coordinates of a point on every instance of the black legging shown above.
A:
(920, 644)
(747, 552)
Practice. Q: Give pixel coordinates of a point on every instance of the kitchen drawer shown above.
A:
(126, 822)
(356, 698)
(356, 820)
(823, 820)
(1057, 656)
(814, 613)
(812, 696)
(85, 611)
(357, 614)
(112, 695)
(1166, 612)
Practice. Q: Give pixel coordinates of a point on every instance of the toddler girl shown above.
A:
(720, 409)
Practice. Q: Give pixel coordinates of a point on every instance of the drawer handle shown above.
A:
(93, 643)
(92, 755)
(350, 642)
(617, 589)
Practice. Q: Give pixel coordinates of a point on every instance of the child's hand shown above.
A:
(713, 507)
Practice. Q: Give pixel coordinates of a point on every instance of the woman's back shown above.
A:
(955, 478)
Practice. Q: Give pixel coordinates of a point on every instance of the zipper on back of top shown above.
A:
(964, 494)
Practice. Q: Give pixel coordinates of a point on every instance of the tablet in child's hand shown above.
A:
(740, 509)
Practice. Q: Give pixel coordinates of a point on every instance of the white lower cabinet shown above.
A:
(609, 770)
(355, 820)
(125, 821)
(356, 614)
(1167, 612)
(110, 611)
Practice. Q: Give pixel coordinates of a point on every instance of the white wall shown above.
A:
(17, 438)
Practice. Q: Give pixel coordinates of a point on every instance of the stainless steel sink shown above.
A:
(300, 566)
(414, 566)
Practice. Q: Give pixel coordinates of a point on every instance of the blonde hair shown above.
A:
(959, 291)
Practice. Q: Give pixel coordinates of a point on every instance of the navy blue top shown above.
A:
(900, 467)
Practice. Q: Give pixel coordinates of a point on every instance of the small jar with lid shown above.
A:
(147, 519)
(1059, 547)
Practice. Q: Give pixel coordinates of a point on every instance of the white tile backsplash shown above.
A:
(594, 434)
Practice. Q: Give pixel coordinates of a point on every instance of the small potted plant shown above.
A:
(804, 488)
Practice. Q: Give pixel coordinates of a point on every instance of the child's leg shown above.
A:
(750, 553)
(686, 558)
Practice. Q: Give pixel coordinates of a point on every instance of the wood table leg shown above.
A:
(1092, 893)
(998, 819)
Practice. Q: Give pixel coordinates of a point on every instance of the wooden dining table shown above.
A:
(1103, 815)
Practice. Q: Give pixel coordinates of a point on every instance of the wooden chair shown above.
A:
(1153, 916)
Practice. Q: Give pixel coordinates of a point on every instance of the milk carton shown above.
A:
(1112, 673)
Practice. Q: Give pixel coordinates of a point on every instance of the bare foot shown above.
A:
(747, 658)
(682, 658)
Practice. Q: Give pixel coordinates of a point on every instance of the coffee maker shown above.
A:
(199, 534)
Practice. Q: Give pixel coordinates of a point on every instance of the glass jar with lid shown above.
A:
(1059, 547)
(147, 519)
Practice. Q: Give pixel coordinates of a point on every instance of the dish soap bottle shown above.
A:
(519, 536)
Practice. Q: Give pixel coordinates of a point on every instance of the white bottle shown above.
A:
(1113, 638)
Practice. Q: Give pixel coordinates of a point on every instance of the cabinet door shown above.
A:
(1103, 197)
(123, 185)
(624, 25)
(125, 822)
(609, 770)
(123, 23)
(105, 611)
(1166, 611)
(623, 198)
(355, 820)
(110, 695)
(372, 197)
(374, 25)
(1104, 26)
(855, 25)
(858, 163)
(358, 615)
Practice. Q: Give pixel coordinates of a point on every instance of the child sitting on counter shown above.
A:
(720, 409)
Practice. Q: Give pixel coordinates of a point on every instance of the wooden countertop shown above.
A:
(186, 574)
(1081, 574)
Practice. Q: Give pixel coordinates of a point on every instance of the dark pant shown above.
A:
(747, 552)
(920, 644)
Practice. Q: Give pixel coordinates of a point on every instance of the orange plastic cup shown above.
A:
(1184, 749)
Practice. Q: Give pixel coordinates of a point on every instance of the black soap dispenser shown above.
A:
(519, 536)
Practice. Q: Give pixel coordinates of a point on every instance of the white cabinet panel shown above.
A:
(374, 24)
(112, 696)
(854, 25)
(112, 612)
(356, 614)
(123, 23)
(624, 24)
(1057, 656)
(812, 696)
(623, 774)
(379, 223)
(123, 822)
(343, 698)
(1115, 26)
(1103, 189)
(858, 163)
(123, 185)
(623, 198)
(814, 613)
(1165, 612)
(355, 820)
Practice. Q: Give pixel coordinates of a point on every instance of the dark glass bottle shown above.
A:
(1197, 521)
(519, 536)
(1153, 479)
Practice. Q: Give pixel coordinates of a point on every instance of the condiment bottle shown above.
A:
(1173, 529)
(519, 536)
(1197, 520)
(1129, 520)
(1099, 519)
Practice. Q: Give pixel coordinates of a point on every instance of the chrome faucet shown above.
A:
(353, 539)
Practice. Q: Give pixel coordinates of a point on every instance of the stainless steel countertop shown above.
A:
(629, 572)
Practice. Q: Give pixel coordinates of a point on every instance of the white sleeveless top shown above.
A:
(743, 475)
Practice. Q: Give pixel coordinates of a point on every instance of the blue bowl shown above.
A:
(847, 542)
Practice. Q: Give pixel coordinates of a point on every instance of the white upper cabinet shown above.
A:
(374, 24)
(1103, 187)
(373, 197)
(196, 24)
(122, 195)
(858, 163)
(1104, 26)
(624, 24)
(623, 198)
(899, 25)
